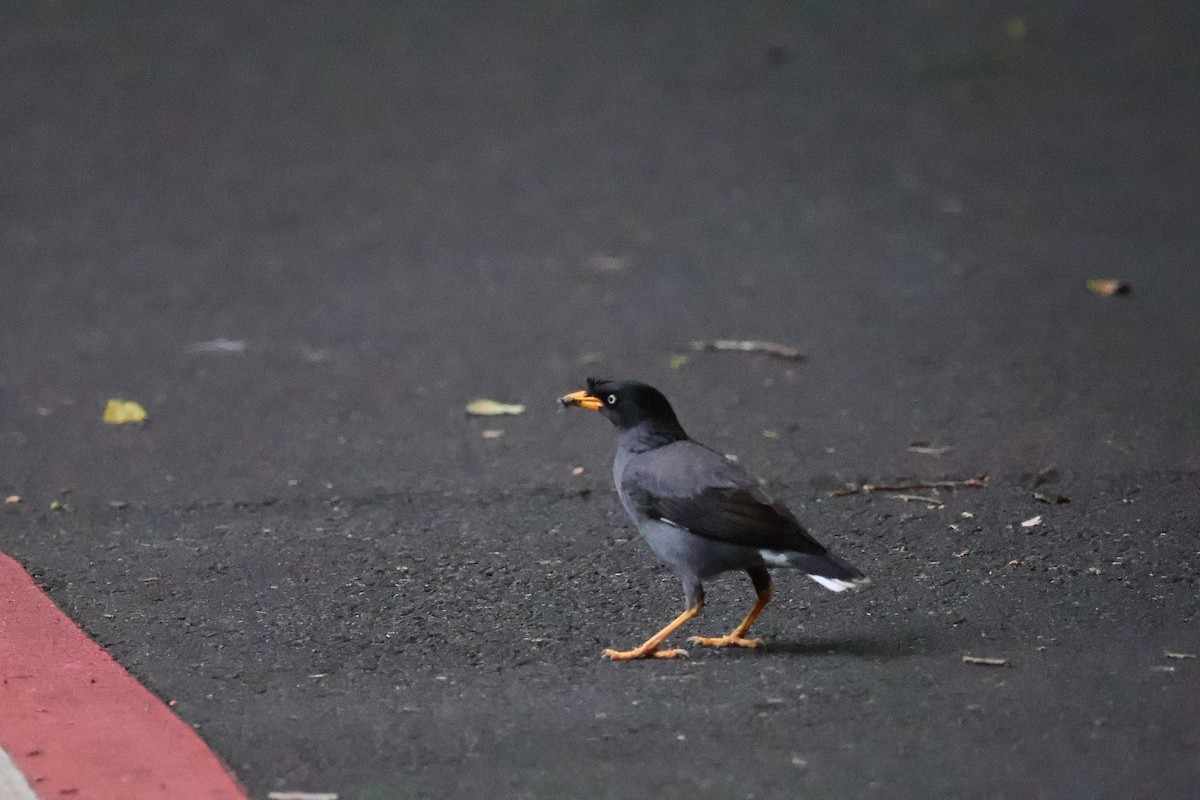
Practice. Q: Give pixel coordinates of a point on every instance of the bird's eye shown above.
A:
(612, 400)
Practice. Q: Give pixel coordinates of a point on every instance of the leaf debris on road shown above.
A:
(1051, 498)
(1177, 654)
(1032, 522)
(492, 408)
(122, 412)
(751, 346)
(1107, 287)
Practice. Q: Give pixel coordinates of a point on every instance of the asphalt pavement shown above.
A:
(303, 238)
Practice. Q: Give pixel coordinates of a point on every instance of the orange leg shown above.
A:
(649, 649)
(737, 636)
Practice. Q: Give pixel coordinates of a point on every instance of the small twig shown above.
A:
(927, 449)
(917, 498)
(978, 482)
(987, 662)
(750, 346)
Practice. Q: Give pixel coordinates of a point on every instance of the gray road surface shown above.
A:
(400, 207)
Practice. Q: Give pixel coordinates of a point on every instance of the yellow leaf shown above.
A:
(121, 412)
(1108, 286)
(491, 408)
(1016, 27)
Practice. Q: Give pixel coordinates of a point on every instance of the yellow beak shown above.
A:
(581, 399)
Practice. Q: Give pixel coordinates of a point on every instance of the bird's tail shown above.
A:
(828, 570)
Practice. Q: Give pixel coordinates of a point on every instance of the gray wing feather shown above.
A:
(696, 488)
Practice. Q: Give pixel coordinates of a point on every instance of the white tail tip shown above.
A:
(839, 585)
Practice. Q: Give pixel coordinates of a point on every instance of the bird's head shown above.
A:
(627, 404)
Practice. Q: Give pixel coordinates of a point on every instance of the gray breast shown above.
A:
(690, 555)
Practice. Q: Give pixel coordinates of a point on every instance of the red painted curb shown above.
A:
(77, 724)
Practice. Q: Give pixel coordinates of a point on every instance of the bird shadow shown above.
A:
(912, 643)
(858, 647)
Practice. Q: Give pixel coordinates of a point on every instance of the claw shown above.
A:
(638, 653)
(725, 641)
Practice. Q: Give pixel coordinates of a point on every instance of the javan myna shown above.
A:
(700, 513)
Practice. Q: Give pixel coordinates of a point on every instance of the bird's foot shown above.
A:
(643, 652)
(725, 641)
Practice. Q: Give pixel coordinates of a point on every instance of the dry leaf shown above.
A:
(492, 408)
(578, 471)
(1109, 286)
(493, 433)
(1032, 522)
(122, 412)
(1174, 654)
(12, 499)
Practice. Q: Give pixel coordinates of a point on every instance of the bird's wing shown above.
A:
(687, 485)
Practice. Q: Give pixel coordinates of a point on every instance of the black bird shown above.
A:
(700, 513)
